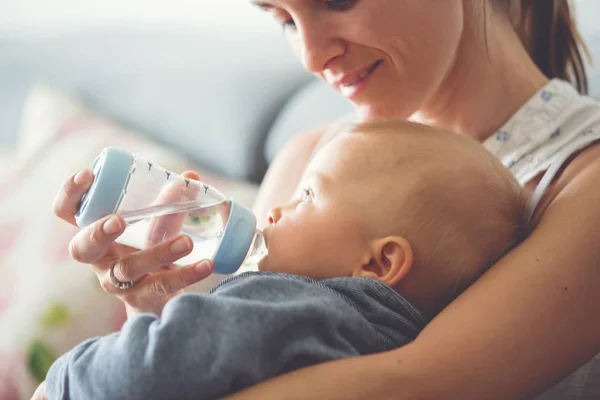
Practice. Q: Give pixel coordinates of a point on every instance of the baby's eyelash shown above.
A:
(306, 195)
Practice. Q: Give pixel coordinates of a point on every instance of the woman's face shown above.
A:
(388, 57)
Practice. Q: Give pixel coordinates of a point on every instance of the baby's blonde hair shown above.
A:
(457, 205)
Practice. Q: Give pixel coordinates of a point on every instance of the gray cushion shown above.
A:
(316, 104)
(211, 95)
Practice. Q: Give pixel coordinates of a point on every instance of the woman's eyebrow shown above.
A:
(262, 5)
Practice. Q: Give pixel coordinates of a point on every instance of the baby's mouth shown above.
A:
(266, 235)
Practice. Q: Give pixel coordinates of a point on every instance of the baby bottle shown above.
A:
(157, 204)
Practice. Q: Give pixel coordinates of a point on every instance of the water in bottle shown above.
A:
(157, 204)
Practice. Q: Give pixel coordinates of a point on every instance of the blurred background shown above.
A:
(60, 15)
(190, 84)
(208, 78)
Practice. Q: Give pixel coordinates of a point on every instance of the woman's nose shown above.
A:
(274, 215)
(316, 46)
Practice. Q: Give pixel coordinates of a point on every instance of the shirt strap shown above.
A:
(565, 154)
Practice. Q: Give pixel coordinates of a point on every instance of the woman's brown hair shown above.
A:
(548, 30)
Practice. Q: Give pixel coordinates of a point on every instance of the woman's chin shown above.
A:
(376, 108)
(369, 112)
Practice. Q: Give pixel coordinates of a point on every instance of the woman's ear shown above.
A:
(391, 259)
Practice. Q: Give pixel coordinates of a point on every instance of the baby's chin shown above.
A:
(263, 265)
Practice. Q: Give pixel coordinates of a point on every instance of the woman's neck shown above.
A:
(488, 86)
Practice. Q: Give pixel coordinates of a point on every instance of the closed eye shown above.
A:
(333, 5)
(289, 23)
(340, 5)
(282, 18)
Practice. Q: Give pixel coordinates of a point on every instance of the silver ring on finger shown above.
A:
(117, 283)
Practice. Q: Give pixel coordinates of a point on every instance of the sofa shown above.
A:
(218, 101)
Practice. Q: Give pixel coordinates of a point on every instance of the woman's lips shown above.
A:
(351, 84)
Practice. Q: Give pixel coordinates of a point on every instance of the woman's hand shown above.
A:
(156, 279)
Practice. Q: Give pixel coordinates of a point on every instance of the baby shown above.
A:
(423, 211)
(386, 230)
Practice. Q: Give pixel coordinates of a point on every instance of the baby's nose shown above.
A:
(274, 215)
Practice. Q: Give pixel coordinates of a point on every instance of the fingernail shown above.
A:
(112, 226)
(81, 177)
(203, 268)
(181, 245)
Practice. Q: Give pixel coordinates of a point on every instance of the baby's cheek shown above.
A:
(284, 256)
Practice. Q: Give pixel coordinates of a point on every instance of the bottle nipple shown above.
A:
(258, 249)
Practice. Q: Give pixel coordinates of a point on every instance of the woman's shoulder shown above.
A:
(576, 176)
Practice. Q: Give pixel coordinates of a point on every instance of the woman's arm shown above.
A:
(285, 173)
(529, 321)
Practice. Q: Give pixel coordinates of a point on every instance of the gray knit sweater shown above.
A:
(249, 328)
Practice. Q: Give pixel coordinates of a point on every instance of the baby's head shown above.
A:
(422, 210)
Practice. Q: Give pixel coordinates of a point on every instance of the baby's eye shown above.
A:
(306, 196)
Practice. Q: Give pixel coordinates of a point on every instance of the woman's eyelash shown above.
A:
(340, 5)
(288, 24)
(335, 5)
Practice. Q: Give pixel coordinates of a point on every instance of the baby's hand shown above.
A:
(40, 393)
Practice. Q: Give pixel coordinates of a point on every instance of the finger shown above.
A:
(167, 226)
(92, 243)
(67, 200)
(40, 392)
(176, 279)
(164, 282)
(136, 265)
(168, 281)
(191, 175)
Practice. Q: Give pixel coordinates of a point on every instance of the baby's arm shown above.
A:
(148, 358)
(207, 346)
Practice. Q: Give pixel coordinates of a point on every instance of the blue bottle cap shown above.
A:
(237, 239)
(111, 172)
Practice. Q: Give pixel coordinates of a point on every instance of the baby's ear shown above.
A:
(391, 259)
